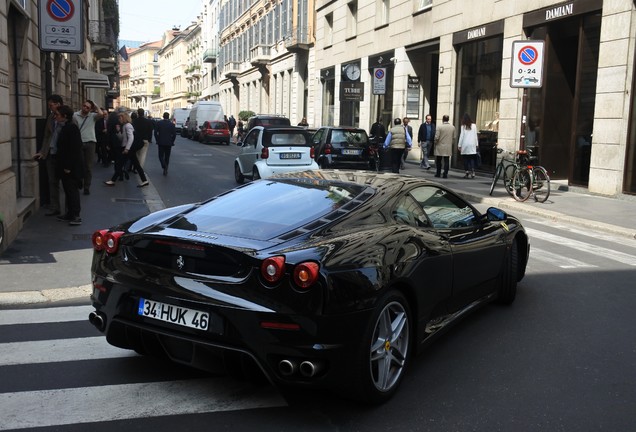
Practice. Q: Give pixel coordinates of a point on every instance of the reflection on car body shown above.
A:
(324, 278)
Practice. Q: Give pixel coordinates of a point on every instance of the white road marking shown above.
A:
(45, 315)
(583, 247)
(48, 408)
(587, 233)
(59, 350)
(542, 255)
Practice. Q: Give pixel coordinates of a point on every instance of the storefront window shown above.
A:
(328, 78)
(479, 63)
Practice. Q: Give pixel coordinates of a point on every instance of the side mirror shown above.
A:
(495, 214)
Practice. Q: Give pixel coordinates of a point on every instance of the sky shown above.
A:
(147, 20)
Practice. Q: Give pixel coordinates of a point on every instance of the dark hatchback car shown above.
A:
(215, 132)
(267, 120)
(343, 146)
(325, 278)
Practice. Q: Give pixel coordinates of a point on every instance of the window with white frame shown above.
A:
(382, 17)
(352, 19)
(328, 29)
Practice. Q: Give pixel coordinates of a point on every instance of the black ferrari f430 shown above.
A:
(332, 279)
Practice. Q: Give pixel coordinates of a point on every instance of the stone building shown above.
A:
(35, 64)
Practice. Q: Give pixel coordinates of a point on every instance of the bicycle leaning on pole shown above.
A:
(521, 179)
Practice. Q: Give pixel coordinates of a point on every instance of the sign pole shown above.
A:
(522, 136)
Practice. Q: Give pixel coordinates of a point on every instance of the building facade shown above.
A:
(143, 81)
(28, 75)
(387, 59)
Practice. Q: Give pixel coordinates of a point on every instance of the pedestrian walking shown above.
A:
(70, 163)
(377, 133)
(468, 145)
(125, 139)
(444, 138)
(144, 128)
(85, 119)
(409, 130)
(231, 124)
(101, 134)
(397, 141)
(165, 135)
(48, 154)
(425, 137)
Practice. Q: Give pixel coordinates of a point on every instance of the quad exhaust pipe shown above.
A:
(307, 368)
(98, 320)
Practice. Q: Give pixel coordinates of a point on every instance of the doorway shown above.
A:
(561, 114)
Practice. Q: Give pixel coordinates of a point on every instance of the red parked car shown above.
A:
(215, 132)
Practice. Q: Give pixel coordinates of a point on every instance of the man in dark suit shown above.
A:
(425, 137)
(165, 134)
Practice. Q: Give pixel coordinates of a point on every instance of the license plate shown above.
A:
(173, 314)
(290, 155)
(350, 152)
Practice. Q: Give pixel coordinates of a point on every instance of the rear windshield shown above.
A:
(351, 136)
(267, 209)
(272, 122)
(218, 125)
(286, 138)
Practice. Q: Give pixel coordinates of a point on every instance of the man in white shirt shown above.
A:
(85, 119)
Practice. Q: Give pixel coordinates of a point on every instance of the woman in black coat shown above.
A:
(69, 162)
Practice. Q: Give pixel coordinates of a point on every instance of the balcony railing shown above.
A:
(209, 55)
(260, 55)
(299, 39)
(232, 69)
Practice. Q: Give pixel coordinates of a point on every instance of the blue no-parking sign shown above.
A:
(61, 25)
(527, 64)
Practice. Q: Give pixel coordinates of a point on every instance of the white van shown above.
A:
(201, 112)
(179, 117)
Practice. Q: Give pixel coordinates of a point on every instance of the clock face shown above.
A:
(353, 72)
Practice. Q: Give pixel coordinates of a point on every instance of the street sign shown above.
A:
(379, 81)
(61, 25)
(526, 69)
(351, 91)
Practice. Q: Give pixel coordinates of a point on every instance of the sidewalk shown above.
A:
(51, 260)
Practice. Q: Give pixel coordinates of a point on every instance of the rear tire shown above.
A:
(255, 174)
(384, 351)
(540, 184)
(238, 175)
(522, 184)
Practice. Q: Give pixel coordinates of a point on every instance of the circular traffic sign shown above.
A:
(60, 10)
(528, 55)
(379, 73)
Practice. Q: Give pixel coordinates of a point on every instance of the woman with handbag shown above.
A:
(127, 150)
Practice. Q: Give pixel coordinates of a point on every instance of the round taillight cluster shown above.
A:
(304, 274)
(106, 240)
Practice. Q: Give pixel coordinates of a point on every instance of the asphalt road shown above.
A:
(561, 358)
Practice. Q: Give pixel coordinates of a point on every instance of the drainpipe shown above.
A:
(17, 106)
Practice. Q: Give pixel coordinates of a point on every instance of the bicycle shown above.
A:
(521, 178)
(506, 168)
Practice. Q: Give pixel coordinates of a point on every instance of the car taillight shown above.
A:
(99, 241)
(105, 240)
(328, 149)
(265, 153)
(306, 274)
(273, 268)
(312, 153)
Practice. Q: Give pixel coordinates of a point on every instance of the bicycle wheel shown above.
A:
(540, 184)
(508, 174)
(522, 184)
(495, 177)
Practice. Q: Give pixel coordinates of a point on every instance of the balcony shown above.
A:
(299, 39)
(232, 69)
(102, 38)
(209, 56)
(260, 55)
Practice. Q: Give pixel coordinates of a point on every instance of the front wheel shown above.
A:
(540, 184)
(522, 184)
(383, 355)
(495, 178)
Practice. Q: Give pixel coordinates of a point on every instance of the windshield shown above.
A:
(286, 138)
(266, 209)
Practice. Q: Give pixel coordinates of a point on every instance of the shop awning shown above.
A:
(92, 79)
